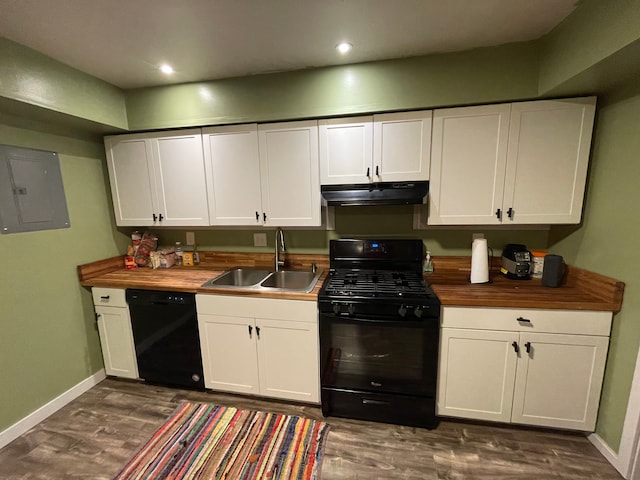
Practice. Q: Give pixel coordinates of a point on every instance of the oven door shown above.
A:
(374, 355)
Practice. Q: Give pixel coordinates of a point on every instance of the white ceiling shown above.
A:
(124, 41)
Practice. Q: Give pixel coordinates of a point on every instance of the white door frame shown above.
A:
(627, 460)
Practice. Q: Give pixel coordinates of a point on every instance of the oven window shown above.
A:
(390, 357)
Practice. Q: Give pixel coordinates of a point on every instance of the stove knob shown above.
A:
(418, 312)
(402, 311)
(351, 309)
(336, 308)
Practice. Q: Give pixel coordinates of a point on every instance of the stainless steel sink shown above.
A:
(238, 277)
(292, 280)
(266, 280)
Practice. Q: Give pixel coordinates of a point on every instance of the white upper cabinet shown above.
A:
(381, 148)
(158, 179)
(233, 171)
(549, 143)
(346, 150)
(469, 154)
(289, 175)
(263, 175)
(402, 146)
(520, 163)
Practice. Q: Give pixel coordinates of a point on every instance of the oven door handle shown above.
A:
(405, 322)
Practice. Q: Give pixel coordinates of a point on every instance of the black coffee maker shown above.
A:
(516, 262)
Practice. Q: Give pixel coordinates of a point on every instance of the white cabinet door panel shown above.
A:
(288, 360)
(469, 152)
(346, 150)
(131, 179)
(289, 171)
(549, 144)
(180, 180)
(116, 339)
(402, 146)
(229, 357)
(233, 167)
(476, 376)
(558, 382)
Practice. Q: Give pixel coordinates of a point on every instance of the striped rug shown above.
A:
(204, 441)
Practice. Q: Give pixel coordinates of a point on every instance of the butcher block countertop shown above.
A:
(111, 273)
(581, 289)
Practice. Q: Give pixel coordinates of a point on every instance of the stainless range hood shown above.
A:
(383, 193)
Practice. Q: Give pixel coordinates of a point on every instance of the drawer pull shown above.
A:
(104, 297)
(366, 401)
(515, 347)
(522, 319)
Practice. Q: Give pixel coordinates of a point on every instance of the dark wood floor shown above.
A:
(96, 434)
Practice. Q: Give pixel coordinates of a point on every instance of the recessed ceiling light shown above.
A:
(344, 47)
(166, 69)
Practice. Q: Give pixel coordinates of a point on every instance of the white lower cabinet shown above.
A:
(260, 346)
(534, 367)
(116, 336)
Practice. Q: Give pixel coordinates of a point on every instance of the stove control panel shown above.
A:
(363, 310)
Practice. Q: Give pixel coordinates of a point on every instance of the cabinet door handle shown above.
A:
(368, 172)
(515, 347)
(160, 217)
(250, 330)
(510, 213)
(522, 319)
(527, 347)
(499, 214)
(258, 332)
(377, 170)
(155, 217)
(257, 216)
(98, 316)
(264, 217)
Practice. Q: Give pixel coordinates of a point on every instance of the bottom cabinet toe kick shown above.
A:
(533, 367)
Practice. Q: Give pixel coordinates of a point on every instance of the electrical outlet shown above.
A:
(191, 238)
(259, 239)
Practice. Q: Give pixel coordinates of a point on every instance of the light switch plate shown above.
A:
(191, 238)
(259, 239)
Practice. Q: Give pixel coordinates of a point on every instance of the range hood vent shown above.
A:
(383, 193)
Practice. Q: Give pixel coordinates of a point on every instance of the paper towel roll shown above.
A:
(479, 261)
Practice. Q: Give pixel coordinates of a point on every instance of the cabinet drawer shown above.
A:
(539, 320)
(112, 297)
(270, 308)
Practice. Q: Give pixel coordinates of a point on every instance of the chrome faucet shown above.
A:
(280, 248)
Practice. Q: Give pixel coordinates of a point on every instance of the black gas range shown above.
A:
(379, 333)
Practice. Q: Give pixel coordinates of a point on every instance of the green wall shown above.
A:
(48, 338)
(35, 79)
(607, 243)
(478, 76)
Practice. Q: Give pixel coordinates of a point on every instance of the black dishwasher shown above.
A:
(165, 334)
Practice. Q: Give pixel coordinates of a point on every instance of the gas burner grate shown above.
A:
(376, 283)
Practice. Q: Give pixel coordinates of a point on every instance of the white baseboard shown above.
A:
(21, 426)
(611, 456)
